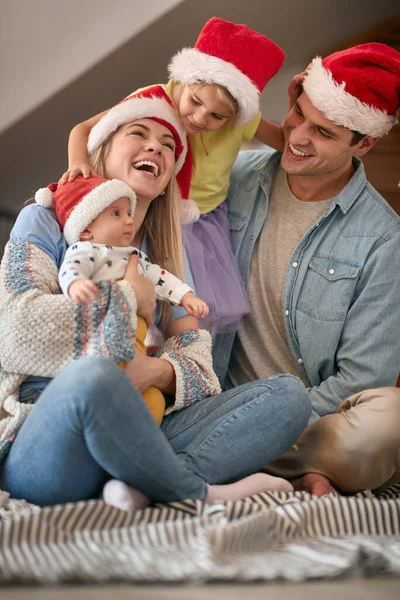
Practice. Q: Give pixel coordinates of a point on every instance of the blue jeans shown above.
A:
(91, 423)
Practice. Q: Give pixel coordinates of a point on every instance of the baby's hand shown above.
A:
(78, 169)
(83, 291)
(194, 306)
(296, 87)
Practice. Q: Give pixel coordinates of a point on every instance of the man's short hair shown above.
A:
(357, 136)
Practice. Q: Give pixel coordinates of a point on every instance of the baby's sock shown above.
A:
(253, 484)
(120, 495)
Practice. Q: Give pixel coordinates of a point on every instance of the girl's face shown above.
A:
(142, 154)
(201, 108)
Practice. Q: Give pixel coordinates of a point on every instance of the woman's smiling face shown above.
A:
(142, 154)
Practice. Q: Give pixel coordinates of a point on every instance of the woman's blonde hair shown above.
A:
(161, 225)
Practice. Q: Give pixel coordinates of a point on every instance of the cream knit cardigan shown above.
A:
(41, 331)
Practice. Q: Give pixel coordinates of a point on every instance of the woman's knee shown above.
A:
(287, 398)
(293, 394)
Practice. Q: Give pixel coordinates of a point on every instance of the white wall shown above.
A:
(45, 44)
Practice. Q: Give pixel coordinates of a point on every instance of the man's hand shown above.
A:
(194, 306)
(83, 291)
(144, 290)
(78, 169)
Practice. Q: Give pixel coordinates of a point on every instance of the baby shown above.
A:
(97, 217)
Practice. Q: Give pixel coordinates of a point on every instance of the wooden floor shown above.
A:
(361, 589)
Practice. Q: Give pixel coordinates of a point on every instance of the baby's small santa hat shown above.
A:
(152, 103)
(357, 88)
(78, 203)
(233, 56)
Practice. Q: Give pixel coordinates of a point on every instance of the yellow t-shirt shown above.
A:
(213, 155)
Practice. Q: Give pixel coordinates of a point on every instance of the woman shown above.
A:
(88, 422)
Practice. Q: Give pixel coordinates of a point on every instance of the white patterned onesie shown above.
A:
(98, 262)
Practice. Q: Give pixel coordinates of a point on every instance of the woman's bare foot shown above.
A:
(315, 484)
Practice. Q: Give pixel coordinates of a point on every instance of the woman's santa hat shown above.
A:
(357, 88)
(233, 56)
(152, 103)
(79, 202)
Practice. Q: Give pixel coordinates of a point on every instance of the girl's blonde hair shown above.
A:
(161, 225)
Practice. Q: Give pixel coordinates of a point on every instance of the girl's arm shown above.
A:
(270, 134)
(78, 160)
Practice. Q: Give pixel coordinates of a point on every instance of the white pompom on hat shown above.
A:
(78, 203)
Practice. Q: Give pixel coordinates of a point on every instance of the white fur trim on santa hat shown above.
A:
(343, 108)
(192, 66)
(93, 204)
(134, 108)
(44, 197)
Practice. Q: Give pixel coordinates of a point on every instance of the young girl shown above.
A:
(215, 88)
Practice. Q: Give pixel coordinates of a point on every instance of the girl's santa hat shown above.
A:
(233, 56)
(151, 103)
(78, 203)
(357, 88)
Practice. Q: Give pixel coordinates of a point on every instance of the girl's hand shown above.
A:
(296, 87)
(83, 291)
(78, 169)
(144, 371)
(144, 290)
(194, 306)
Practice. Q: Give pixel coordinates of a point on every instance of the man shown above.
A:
(319, 251)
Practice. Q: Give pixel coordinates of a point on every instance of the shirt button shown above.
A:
(287, 313)
(331, 271)
(295, 264)
(300, 361)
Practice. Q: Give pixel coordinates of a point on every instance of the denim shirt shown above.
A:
(341, 295)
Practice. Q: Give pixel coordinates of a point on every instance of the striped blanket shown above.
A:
(291, 536)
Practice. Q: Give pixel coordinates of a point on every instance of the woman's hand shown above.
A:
(144, 371)
(72, 173)
(144, 290)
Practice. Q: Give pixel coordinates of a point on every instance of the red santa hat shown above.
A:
(78, 203)
(233, 56)
(152, 103)
(357, 88)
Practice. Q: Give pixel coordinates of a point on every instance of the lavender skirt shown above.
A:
(214, 268)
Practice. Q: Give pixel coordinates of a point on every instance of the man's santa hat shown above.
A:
(152, 103)
(233, 56)
(78, 203)
(357, 88)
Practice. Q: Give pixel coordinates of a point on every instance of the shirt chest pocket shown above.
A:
(328, 288)
(236, 224)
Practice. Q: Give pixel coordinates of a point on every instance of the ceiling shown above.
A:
(61, 62)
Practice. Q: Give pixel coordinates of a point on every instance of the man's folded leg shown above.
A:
(356, 448)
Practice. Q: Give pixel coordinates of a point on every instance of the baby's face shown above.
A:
(114, 226)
